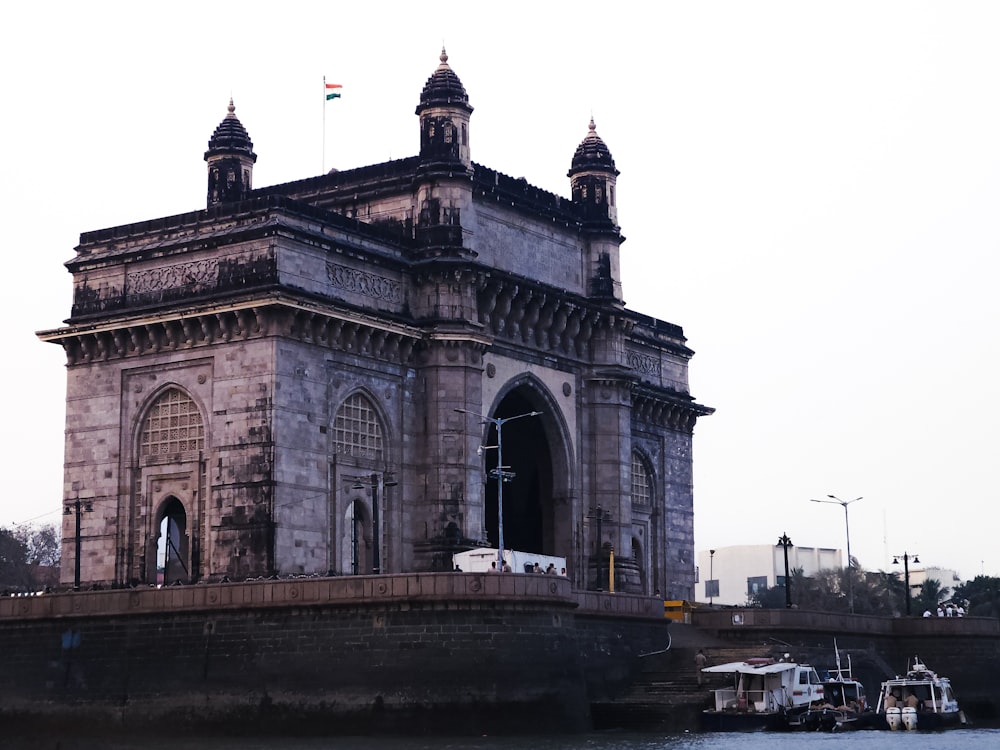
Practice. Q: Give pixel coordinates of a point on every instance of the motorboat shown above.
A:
(918, 700)
(844, 705)
(761, 694)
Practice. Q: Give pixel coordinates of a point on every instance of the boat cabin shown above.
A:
(766, 686)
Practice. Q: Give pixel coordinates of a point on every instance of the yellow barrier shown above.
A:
(677, 610)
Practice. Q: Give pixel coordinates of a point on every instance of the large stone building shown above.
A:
(289, 381)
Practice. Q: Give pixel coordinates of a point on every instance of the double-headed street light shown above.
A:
(850, 576)
(501, 473)
(785, 542)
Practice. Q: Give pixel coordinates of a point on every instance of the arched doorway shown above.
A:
(172, 563)
(528, 510)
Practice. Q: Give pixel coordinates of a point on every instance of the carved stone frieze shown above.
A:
(203, 273)
(364, 283)
(644, 364)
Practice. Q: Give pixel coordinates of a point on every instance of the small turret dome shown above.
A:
(230, 159)
(443, 88)
(593, 178)
(230, 137)
(592, 154)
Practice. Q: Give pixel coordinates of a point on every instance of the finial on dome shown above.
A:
(593, 127)
(231, 108)
(444, 57)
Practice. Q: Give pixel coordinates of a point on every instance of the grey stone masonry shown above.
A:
(306, 378)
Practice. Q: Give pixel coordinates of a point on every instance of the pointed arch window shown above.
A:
(173, 425)
(357, 430)
(642, 481)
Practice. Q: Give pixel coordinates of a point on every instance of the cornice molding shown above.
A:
(341, 331)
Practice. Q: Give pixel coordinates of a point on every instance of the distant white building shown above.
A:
(948, 579)
(730, 575)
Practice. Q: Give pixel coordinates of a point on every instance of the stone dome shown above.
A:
(230, 137)
(443, 88)
(592, 154)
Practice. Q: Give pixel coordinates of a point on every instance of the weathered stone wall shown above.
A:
(442, 652)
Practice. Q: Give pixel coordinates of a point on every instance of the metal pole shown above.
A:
(850, 563)
(711, 576)
(906, 578)
(499, 422)
(354, 539)
(600, 544)
(785, 542)
(376, 528)
(76, 561)
(850, 572)
(500, 479)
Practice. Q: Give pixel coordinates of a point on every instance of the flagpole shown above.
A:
(323, 164)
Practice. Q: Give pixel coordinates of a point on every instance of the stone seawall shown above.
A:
(443, 653)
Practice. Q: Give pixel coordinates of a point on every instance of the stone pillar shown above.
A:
(607, 446)
(448, 515)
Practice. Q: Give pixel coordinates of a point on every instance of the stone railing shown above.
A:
(429, 588)
(597, 603)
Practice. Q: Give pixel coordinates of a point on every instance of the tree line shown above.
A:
(29, 558)
(879, 593)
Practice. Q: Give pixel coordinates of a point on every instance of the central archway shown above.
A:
(528, 509)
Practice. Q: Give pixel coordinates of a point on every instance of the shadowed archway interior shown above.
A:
(528, 520)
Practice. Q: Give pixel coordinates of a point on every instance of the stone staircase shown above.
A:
(666, 696)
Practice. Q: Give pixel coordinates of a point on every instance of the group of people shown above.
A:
(894, 699)
(947, 610)
(536, 568)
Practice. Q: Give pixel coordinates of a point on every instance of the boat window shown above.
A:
(803, 678)
(813, 678)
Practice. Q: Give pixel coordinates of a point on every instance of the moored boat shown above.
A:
(761, 694)
(918, 700)
(844, 705)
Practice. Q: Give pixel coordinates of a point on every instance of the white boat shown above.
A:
(761, 695)
(918, 700)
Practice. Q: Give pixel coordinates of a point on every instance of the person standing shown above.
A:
(700, 660)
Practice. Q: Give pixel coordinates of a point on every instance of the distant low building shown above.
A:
(948, 579)
(731, 575)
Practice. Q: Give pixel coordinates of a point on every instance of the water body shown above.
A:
(956, 739)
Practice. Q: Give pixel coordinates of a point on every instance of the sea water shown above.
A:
(952, 739)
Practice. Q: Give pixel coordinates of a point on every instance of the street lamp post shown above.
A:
(77, 507)
(600, 515)
(711, 577)
(385, 480)
(785, 542)
(500, 473)
(850, 575)
(906, 574)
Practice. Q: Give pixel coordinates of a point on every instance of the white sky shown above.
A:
(809, 188)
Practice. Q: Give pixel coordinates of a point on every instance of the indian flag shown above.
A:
(332, 90)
